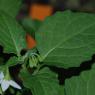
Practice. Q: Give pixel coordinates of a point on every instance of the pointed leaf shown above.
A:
(43, 83)
(12, 36)
(12, 62)
(67, 39)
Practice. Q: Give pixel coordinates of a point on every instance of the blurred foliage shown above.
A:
(81, 5)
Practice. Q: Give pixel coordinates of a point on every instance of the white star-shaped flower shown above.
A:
(5, 84)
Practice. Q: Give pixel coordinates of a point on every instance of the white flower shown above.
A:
(6, 83)
(1, 77)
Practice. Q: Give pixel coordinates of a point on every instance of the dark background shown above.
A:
(80, 5)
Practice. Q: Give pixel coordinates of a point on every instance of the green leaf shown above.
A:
(67, 39)
(81, 85)
(12, 35)
(43, 83)
(11, 7)
(12, 62)
(31, 26)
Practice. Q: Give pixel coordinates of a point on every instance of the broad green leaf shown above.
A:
(81, 85)
(67, 39)
(43, 83)
(11, 7)
(12, 36)
(31, 26)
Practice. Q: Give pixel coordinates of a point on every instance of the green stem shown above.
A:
(7, 76)
(38, 68)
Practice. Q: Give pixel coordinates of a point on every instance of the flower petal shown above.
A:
(5, 85)
(14, 84)
(1, 81)
(1, 75)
